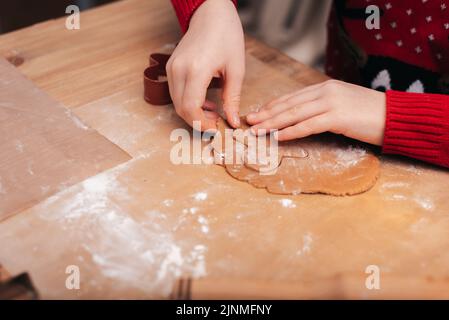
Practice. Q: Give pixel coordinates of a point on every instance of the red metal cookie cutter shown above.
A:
(155, 80)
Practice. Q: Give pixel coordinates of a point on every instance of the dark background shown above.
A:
(290, 29)
(16, 14)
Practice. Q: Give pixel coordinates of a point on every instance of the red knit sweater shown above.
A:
(408, 57)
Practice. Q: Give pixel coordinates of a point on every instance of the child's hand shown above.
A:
(333, 106)
(213, 45)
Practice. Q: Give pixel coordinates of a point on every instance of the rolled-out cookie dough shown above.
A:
(323, 163)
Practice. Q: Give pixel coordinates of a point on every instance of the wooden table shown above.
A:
(132, 230)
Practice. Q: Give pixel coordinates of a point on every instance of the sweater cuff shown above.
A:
(185, 9)
(417, 126)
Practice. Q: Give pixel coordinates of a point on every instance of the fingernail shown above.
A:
(253, 130)
(236, 120)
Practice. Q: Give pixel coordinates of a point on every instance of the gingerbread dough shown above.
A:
(323, 163)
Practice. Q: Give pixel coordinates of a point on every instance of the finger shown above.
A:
(286, 105)
(176, 77)
(288, 96)
(306, 128)
(194, 99)
(211, 115)
(231, 95)
(291, 116)
(201, 119)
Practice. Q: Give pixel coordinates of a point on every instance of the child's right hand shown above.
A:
(213, 45)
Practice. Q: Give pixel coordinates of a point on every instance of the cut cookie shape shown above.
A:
(257, 153)
(323, 163)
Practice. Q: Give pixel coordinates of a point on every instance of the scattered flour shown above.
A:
(200, 196)
(425, 203)
(192, 210)
(136, 253)
(282, 185)
(344, 158)
(394, 184)
(19, 146)
(198, 255)
(128, 101)
(172, 262)
(349, 157)
(307, 244)
(414, 169)
(204, 223)
(398, 197)
(287, 203)
(30, 169)
(168, 202)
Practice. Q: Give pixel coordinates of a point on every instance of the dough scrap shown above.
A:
(323, 163)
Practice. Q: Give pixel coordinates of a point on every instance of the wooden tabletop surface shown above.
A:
(134, 229)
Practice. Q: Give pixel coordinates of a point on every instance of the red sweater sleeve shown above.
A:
(185, 9)
(417, 126)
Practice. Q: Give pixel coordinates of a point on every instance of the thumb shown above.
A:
(231, 96)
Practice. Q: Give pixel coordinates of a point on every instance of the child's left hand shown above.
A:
(333, 106)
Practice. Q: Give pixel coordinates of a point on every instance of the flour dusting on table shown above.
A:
(137, 252)
(287, 203)
(306, 245)
(200, 196)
